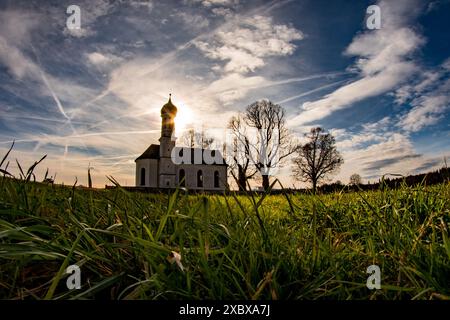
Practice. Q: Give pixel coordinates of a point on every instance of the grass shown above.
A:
(231, 246)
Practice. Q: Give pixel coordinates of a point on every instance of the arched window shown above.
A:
(182, 178)
(216, 179)
(142, 176)
(200, 178)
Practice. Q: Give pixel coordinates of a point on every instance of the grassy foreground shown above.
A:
(231, 247)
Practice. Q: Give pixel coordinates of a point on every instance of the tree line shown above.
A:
(441, 175)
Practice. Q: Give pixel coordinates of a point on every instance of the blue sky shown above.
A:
(92, 96)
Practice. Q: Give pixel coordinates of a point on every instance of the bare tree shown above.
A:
(317, 158)
(355, 179)
(203, 140)
(188, 138)
(193, 139)
(274, 143)
(241, 168)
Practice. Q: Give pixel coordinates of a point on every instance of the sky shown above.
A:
(92, 96)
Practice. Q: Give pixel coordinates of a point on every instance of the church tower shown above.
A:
(167, 170)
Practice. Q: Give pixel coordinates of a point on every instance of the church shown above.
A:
(166, 166)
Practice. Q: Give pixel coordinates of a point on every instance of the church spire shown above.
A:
(168, 113)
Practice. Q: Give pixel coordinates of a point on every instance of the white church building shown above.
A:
(166, 166)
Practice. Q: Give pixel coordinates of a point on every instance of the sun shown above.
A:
(184, 118)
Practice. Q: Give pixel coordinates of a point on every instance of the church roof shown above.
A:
(152, 152)
(169, 107)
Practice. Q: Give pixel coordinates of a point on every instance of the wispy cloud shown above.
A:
(306, 93)
(384, 62)
(429, 97)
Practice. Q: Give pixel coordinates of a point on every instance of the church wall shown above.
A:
(208, 176)
(166, 173)
(151, 172)
(223, 170)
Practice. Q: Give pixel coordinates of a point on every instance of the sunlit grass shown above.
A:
(231, 246)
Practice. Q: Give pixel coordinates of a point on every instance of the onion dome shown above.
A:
(169, 108)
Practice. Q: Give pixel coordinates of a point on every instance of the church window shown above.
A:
(216, 179)
(142, 176)
(200, 178)
(181, 177)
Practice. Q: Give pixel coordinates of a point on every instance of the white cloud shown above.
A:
(356, 91)
(234, 86)
(15, 33)
(97, 58)
(239, 60)
(429, 79)
(90, 11)
(16, 26)
(428, 111)
(211, 3)
(192, 21)
(377, 150)
(16, 62)
(140, 4)
(225, 12)
(83, 32)
(403, 94)
(424, 81)
(429, 97)
(379, 126)
(384, 62)
(103, 61)
(446, 64)
(244, 45)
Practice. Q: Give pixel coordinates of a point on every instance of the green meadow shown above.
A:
(287, 246)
